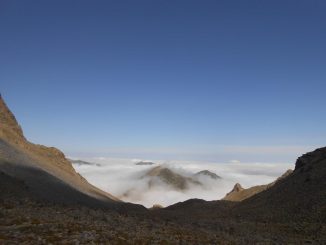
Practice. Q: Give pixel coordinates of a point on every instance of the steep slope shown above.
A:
(239, 193)
(299, 196)
(291, 211)
(44, 170)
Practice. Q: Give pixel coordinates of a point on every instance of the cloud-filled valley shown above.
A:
(168, 182)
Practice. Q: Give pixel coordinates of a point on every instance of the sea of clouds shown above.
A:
(125, 180)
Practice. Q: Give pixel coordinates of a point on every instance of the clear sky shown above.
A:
(214, 80)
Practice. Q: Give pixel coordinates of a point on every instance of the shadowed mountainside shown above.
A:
(299, 196)
(296, 196)
(45, 171)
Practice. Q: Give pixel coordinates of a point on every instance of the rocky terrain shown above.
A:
(44, 201)
(238, 193)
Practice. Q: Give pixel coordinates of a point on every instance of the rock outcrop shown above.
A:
(239, 193)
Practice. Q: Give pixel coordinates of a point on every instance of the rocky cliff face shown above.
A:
(18, 153)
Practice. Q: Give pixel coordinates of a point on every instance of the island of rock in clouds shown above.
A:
(44, 201)
(144, 163)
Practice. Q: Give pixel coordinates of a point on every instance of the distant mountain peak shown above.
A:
(209, 174)
(171, 178)
(144, 163)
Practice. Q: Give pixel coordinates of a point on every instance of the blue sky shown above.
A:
(213, 80)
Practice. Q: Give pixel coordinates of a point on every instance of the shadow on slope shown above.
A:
(25, 182)
(300, 196)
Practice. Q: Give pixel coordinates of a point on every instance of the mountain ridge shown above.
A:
(17, 153)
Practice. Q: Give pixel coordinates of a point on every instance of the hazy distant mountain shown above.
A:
(208, 173)
(238, 193)
(144, 163)
(81, 162)
(171, 178)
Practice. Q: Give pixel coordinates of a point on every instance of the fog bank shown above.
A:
(127, 181)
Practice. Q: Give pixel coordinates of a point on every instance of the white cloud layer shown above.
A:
(120, 176)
